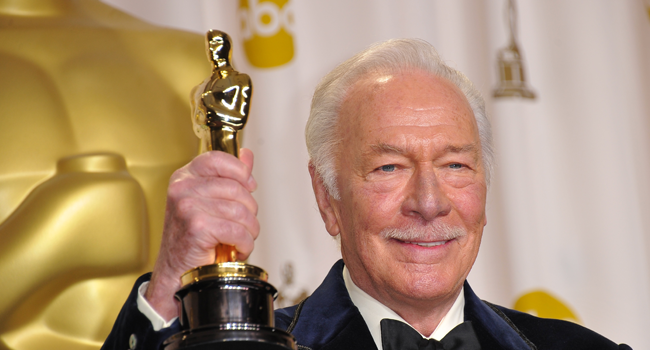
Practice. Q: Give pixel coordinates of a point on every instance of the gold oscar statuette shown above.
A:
(229, 304)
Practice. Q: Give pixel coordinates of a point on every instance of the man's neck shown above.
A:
(423, 315)
(373, 311)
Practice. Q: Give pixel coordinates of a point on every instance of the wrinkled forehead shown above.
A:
(410, 98)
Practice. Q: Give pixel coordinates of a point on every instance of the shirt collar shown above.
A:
(373, 312)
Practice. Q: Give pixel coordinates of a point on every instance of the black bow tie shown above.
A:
(397, 335)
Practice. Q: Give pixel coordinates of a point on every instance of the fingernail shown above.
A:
(252, 183)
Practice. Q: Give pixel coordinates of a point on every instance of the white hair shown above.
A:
(392, 56)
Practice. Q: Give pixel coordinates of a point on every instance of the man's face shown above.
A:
(412, 188)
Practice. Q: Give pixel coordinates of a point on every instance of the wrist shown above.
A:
(160, 295)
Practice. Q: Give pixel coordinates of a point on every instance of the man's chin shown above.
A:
(425, 282)
(427, 296)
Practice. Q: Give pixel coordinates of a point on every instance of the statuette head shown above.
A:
(219, 48)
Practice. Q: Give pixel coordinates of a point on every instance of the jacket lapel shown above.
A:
(327, 319)
(354, 336)
(493, 328)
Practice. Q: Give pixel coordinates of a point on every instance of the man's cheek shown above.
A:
(379, 203)
(470, 204)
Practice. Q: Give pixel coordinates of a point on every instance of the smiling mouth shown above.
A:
(428, 244)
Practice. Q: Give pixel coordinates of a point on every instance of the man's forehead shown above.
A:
(398, 149)
(412, 87)
(414, 98)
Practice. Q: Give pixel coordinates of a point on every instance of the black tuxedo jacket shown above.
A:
(328, 320)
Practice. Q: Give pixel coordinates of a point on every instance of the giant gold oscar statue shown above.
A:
(93, 107)
(226, 305)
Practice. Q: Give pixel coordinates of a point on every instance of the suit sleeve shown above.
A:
(133, 330)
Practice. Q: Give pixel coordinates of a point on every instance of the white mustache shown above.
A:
(430, 233)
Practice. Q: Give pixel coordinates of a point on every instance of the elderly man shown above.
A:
(400, 151)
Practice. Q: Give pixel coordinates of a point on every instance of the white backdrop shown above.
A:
(568, 208)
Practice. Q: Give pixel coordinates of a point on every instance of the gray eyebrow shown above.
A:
(469, 148)
(383, 148)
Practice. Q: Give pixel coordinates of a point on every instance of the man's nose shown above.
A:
(426, 198)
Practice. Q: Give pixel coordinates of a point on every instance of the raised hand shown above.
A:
(209, 202)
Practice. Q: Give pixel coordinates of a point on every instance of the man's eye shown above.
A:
(388, 168)
(455, 166)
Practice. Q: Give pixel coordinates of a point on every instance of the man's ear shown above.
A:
(326, 204)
